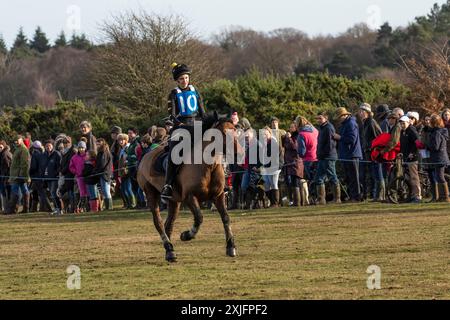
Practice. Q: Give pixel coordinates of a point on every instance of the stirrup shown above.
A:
(167, 188)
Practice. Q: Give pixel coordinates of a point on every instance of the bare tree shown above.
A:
(429, 72)
(134, 68)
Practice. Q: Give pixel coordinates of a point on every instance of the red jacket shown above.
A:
(378, 144)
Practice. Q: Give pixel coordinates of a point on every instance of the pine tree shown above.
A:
(40, 41)
(3, 48)
(61, 41)
(80, 42)
(21, 41)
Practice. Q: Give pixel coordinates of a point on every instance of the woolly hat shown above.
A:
(82, 145)
(37, 144)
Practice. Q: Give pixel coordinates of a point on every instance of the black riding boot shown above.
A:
(167, 191)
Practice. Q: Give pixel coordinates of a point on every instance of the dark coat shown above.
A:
(35, 159)
(5, 163)
(370, 130)
(65, 163)
(408, 146)
(326, 147)
(437, 145)
(349, 145)
(104, 165)
(49, 164)
(292, 161)
(89, 173)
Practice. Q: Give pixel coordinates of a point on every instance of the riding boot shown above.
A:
(167, 192)
(434, 192)
(320, 189)
(34, 205)
(12, 206)
(443, 193)
(26, 203)
(297, 197)
(337, 193)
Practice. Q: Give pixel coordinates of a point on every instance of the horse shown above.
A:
(194, 184)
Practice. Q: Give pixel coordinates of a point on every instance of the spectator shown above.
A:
(168, 125)
(124, 174)
(115, 151)
(307, 145)
(5, 164)
(235, 118)
(19, 171)
(409, 142)
(134, 153)
(293, 165)
(146, 144)
(49, 168)
(371, 130)
(38, 191)
(271, 167)
(437, 145)
(425, 155)
(445, 115)
(76, 166)
(104, 170)
(278, 134)
(381, 117)
(350, 153)
(159, 139)
(91, 179)
(247, 167)
(68, 185)
(327, 156)
(394, 129)
(86, 132)
(27, 141)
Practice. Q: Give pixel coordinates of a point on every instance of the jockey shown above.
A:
(185, 106)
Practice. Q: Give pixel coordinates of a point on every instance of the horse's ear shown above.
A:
(216, 116)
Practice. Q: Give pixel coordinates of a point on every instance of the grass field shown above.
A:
(307, 253)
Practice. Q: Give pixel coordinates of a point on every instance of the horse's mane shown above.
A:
(213, 118)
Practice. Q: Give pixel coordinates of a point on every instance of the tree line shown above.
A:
(131, 68)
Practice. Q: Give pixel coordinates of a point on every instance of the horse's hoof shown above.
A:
(171, 256)
(186, 236)
(231, 252)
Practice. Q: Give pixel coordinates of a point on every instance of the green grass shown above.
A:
(307, 253)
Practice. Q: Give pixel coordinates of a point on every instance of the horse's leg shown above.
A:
(153, 200)
(221, 207)
(194, 206)
(173, 208)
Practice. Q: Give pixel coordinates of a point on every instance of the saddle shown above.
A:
(160, 165)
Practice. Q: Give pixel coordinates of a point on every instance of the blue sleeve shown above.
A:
(350, 136)
(301, 146)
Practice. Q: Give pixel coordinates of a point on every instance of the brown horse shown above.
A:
(195, 183)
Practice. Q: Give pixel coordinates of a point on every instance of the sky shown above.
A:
(207, 17)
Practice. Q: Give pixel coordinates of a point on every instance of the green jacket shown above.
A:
(131, 152)
(20, 165)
